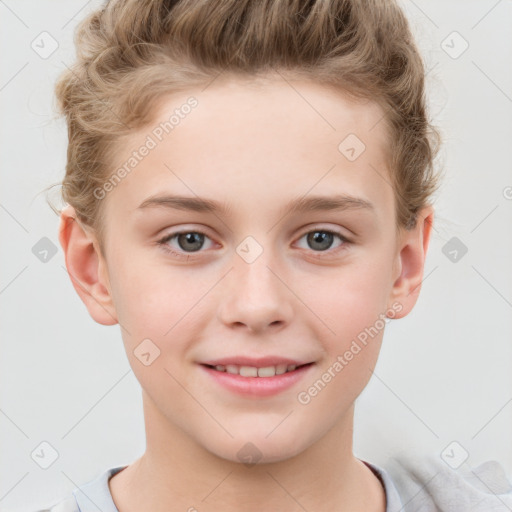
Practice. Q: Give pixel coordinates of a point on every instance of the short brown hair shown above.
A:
(132, 52)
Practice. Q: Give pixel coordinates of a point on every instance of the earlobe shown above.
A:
(411, 256)
(86, 268)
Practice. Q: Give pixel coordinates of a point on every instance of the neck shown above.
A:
(176, 473)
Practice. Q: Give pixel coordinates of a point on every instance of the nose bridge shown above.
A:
(256, 296)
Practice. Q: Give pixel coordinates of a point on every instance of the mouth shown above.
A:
(254, 371)
(257, 382)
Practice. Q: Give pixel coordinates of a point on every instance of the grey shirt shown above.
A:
(410, 485)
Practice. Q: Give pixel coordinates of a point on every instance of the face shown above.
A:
(282, 246)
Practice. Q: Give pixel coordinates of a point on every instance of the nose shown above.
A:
(256, 297)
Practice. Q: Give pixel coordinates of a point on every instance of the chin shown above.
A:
(259, 451)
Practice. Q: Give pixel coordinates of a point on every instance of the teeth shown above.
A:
(280, 369)
(248, 371)
(252, 371)
(269, 371)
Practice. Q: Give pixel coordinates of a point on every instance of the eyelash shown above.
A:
(184, 255)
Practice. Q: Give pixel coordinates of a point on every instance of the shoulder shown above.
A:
(68, 504)
(90, 497)
(427, 483)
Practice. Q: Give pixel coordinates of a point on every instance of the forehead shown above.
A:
(257, 144)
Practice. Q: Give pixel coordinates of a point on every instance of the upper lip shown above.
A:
(258, 362)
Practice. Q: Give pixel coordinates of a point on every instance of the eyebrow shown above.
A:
(304, 204)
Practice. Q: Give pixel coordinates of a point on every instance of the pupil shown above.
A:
(325, 239)
(322, 238)
(196, 239)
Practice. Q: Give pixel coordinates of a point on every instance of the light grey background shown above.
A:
(444, 373)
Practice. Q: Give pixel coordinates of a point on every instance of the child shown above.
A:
(253, 130)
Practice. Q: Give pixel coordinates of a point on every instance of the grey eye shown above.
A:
(190, 241)
(321, 240)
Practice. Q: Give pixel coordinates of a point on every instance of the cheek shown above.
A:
(144, 290)
(158, 303)
(354, 309)
(352, 299)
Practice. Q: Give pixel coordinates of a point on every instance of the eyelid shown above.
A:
(330, 229)
(163, 240)
(328, 253)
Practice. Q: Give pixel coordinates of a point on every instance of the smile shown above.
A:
(253, 371)
(256, 382)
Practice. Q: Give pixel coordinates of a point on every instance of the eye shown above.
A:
(321, 240)
(188, 242)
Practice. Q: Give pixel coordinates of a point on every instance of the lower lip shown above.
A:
(258, 386)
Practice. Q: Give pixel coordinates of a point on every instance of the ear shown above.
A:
(410, 262)
(86, 267)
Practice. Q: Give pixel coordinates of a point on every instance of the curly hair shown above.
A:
(130, 53)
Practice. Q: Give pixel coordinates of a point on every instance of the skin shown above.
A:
(253, 147)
